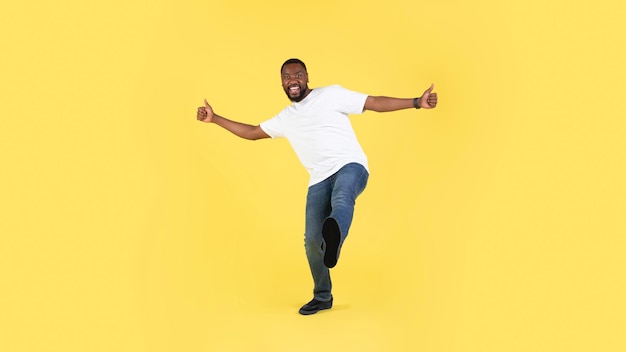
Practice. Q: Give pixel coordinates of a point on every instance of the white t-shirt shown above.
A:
(319, 130)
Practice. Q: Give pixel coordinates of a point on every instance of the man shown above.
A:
(319, 130)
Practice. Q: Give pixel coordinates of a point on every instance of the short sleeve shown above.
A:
(273, 127)
(349, 102)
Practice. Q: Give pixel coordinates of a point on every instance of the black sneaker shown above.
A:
(315, 306)
(332, 238)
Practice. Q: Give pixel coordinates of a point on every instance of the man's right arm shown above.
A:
(206, 114)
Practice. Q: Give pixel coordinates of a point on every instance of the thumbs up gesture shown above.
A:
(205, 113)
(429, 99)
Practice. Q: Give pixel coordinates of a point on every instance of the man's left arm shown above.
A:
(383, 104)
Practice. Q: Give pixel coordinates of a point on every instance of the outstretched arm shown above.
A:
(383, 104)
(206, 114)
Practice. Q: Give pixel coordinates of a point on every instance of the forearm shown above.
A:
(239, 129)
(385, 104)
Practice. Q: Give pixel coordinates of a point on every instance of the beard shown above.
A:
(298, 97)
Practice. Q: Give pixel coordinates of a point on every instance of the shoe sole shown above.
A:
(332, 237)
(309, 312)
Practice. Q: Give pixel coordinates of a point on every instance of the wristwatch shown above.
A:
(416, 103)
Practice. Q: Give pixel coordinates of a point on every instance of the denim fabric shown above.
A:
(334, 197)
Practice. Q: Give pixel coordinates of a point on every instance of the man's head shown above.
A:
(295, 79)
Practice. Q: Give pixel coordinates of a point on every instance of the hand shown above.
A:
(205, 113)
(428, 99)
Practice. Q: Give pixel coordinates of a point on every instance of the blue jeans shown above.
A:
(334, 197)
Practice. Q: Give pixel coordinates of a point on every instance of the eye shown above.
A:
(298, 75)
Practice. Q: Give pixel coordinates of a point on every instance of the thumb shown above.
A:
(432, 86)
(206, 103)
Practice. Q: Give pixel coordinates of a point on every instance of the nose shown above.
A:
(291, 81)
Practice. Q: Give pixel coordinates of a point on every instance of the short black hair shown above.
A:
(292, 61)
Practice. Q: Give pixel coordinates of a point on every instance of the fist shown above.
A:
(429, 99)
(202, 113)
(205, 113)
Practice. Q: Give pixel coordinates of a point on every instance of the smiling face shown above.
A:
(295, 81)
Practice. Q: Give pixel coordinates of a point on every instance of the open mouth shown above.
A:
(295, 89)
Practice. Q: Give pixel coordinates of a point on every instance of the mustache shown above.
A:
(299, 96)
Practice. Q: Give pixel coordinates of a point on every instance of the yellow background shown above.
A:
(493, 223)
